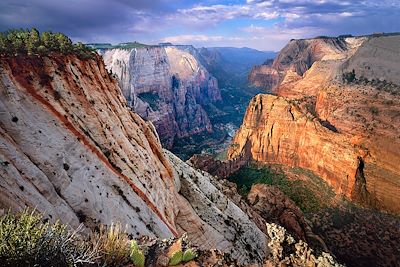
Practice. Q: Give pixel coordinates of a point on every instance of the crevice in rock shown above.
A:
(328, 125)
(291, 113)
(360, 192)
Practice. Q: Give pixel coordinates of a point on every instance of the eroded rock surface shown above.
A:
(274, 206)
(166, 85)
(72, 148)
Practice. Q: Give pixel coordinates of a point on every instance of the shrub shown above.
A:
(349, 77)
(189, 255)
(26, 241)
(113, 245)
(374, 110)
(179, 256)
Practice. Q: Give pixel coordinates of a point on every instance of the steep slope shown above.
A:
(166, 85)
(280, 132)
(331, 120)
(71, 147)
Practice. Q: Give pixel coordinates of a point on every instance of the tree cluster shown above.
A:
(31, 42)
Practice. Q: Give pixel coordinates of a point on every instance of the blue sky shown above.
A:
(260, 24)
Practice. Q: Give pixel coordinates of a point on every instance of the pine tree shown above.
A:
(64, 43)
(33, 41)
(3, 44)
(49, 41)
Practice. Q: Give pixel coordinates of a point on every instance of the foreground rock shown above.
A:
(71, 147)
(166, 85)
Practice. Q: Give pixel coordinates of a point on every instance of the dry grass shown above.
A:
(113, 244)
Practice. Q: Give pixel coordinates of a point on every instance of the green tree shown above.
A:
(16, 40)
(33, 41)
(49, 41)
(3, 44)
(64, 43)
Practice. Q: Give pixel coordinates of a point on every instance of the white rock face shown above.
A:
(378, 58)
(222, 224)
(166, 85)
(71, 147)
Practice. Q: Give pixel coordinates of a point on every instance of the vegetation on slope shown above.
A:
(29, 240)
(305, 193)
(31, 42)
(151, 98)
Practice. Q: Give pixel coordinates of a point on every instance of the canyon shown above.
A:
(193, 96)
(335, 111)
(82, 142)
(166, 85)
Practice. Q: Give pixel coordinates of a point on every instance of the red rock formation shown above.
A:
(274, 206)
(343, 130)
(280, 132)
(221, 169)
(264, 76)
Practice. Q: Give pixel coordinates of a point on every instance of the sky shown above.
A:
(261, 24)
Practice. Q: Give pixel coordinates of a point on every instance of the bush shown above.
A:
(374, 110)
(26, 241)
(349, 77)
(113, 245)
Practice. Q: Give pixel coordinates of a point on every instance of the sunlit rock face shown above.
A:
(340, 125)
(166, 85)
(298, 56)
(72, 148)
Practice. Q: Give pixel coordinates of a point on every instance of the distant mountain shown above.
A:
(231, 65)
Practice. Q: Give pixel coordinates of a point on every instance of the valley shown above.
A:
(200, 97)
(293, 162)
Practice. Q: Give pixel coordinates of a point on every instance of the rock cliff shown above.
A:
(166, 85)
(298, 56)
(336, 113)
(72, 148)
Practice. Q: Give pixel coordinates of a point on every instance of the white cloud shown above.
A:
(189, 39)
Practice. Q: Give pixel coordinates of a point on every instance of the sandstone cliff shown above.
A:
(71, 147)
(166, 85)
(298, 56)
(341, 124)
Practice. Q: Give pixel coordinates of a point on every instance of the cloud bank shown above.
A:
(262, 24)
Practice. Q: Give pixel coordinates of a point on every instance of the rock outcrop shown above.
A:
(221, 169)
(72, 148)
(166, 85)
(274, 206)
(339, 123)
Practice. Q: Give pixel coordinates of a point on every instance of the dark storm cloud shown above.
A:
(263, 24)
(81, 19)
(336, 16)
